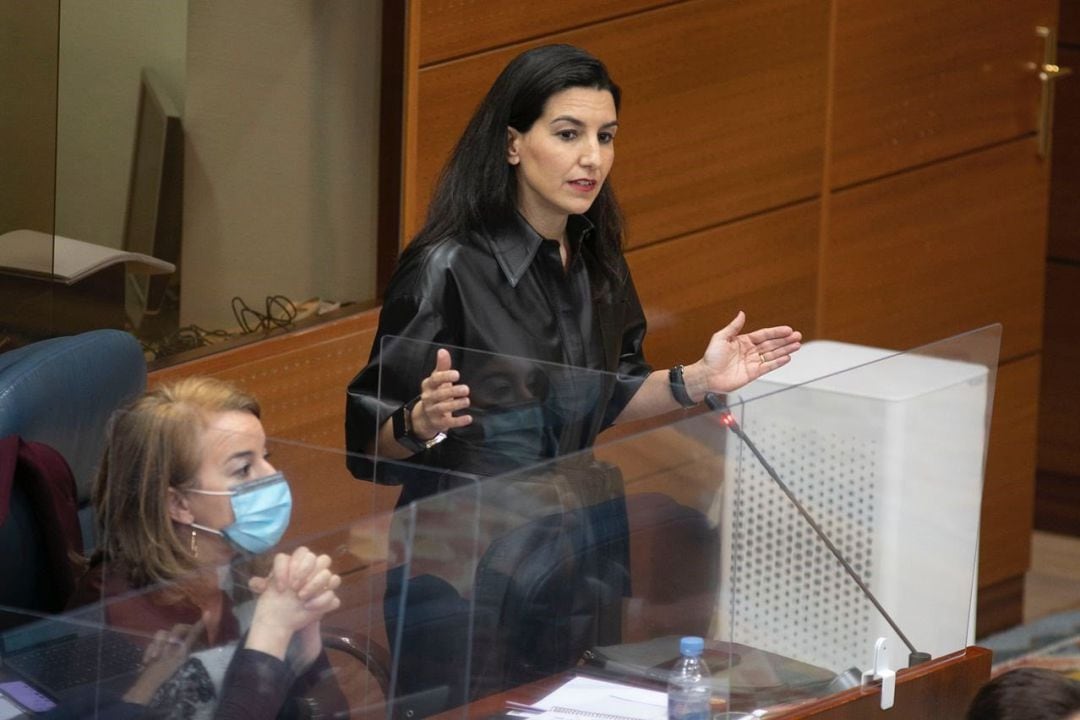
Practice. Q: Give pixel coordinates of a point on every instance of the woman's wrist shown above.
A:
(270, 638)
(418, 423)
(696, 381)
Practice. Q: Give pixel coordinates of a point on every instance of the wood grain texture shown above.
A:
(1064, 237)
(1057, 504)
(413, 201)
(941, 688)
(1000, 606)
(693, 286)
(453, 28)
(1059, 406)
(298, 367)
(923, 80)
(722, 116)
(941, 250)
(1009, 484)
(1069, 30)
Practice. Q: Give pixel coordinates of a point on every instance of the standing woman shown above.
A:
(521, 255)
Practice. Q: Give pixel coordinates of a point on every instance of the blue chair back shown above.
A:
(62, 391)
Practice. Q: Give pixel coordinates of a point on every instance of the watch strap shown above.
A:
(403, 430)
(678, 387)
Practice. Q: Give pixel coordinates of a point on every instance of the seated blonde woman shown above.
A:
(185, 487)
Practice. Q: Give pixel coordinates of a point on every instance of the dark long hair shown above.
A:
(1026, 693)
(477, 190)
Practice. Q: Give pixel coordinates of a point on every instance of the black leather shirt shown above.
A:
(491, 300)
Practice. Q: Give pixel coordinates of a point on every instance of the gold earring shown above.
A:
(194, 544)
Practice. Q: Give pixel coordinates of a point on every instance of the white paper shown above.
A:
(584, 696)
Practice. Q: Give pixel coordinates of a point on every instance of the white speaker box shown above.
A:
(888, 457)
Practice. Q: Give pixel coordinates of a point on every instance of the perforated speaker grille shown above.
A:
(790, 595)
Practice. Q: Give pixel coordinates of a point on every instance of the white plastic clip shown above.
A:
(882, 674)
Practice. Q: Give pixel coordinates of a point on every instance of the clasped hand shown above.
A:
(299, 591)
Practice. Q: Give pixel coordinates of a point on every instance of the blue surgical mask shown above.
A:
(262, 509)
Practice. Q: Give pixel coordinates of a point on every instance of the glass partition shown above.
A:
(682, 530)
(136, 134)
(485, 591)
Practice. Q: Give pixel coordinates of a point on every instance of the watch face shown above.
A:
(428, 444)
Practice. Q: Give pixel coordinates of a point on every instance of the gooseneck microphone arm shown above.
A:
(728, 419)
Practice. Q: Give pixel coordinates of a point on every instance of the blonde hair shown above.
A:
(153, 445)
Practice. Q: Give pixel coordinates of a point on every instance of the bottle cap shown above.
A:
(691, 645)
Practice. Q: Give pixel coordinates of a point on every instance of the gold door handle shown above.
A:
(1048, 72)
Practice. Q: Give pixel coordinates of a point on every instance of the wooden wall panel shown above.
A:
(693, 286)
(921, 80)
(299, 378)
(1069, 31)
(731, 122)
(453, 28)
(1064, 238)
(924, 255)
(1059, 411)
(1009, 486)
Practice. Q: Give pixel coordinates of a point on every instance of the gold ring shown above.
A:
(762, 356)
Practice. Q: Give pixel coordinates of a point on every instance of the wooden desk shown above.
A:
(940, 689)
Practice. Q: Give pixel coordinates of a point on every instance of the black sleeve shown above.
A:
(402, 355)
(633, 369)
(316, 693)
(256, 686)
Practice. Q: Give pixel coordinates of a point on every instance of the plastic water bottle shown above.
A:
(689, 688)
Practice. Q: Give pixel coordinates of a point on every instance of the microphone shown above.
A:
(915, 657)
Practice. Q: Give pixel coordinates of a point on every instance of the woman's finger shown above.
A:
(194, 632)
(324, 602)
(317, 583)
(303, 565)
(448, 407)
(280, 572)
(773, 352)
(731, 330)
(773, 333)
(438, 379)
(153, 650)
(446, 392)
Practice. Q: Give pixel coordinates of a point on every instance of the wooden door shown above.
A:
(936, 218)
(1058, 490)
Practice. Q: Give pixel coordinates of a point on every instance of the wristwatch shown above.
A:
(678, 387)
(403, 430)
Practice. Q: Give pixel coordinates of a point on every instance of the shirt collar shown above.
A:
(515, 245)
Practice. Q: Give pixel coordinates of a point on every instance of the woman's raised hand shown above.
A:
(440, 397)
(732, 359)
